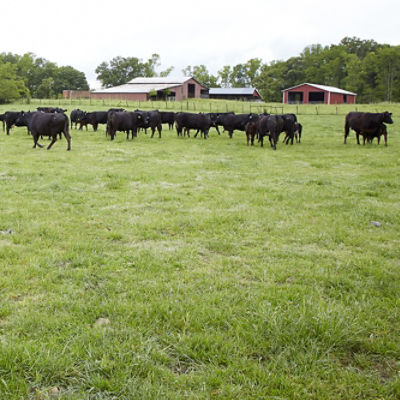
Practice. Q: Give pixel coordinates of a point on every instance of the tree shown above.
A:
(69, 78)
(11, 86)
(224, 76)
(201, 74)
(121, 70)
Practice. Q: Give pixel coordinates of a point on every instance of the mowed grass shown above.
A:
(219, 270)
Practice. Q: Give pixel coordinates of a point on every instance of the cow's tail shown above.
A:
(346, 130)
(66, 133)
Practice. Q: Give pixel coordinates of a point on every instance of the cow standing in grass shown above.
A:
(366, 124)
(49, 124)
(271, 126)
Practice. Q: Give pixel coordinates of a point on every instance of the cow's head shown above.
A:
(387, 117)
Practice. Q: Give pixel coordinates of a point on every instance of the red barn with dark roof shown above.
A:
(311, 93)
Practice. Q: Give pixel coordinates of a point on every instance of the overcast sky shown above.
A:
(211, 32)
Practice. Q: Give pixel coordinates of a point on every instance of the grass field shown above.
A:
(181, 268)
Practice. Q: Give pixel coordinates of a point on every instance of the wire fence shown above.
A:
(211, 106)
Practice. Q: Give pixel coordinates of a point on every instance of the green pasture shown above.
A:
(182, 268)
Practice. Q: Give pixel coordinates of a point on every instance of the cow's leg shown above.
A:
(68, 137)
(35, 141)
(358, 137)
(54, 139)
(230, 133)
(159, 128)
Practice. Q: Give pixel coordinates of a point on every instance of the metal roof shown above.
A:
(331, 89)
(147, 85)
(137, 88)
(163, 80)
(232, 91)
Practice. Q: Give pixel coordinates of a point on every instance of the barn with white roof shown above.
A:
(311, 93)
(246, 93)
(158, 88)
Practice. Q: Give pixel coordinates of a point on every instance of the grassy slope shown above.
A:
(225, 271)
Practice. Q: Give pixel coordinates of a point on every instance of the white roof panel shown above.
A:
(231, 91)
(162, 80)
(137, 88)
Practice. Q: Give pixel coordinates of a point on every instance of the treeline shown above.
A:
(29, 76)
(370, 69)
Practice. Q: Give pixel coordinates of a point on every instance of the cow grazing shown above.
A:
(188, 121)
(168, 117)
(365, 124)
(94, 118)
(271, 126)
(298, 129)
(123, 122)
(49, 124)
(232, 122)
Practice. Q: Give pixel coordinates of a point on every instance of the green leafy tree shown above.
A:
(69, 78)
(224, 76)
(388, 78)
(12, 87)
(201, 74)
(120, 70)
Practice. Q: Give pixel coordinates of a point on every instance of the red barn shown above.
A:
(310, 93)
(157, 88)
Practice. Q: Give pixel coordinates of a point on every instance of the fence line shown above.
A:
(207, 106)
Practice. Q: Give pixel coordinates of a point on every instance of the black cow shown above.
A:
(94, 118)
(232, 122)
(3, 119)
(297, 131)
(251, 128)
(168, 117)
(24, 118)
(123, 122)
(152, 120)
(51, 109)
(187, 121)
(289, 121)
(271, 126)
(75, 116)
(49, 124)
(11, 120)
(365, 124)
(380, 131)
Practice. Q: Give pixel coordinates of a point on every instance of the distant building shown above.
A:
(76, 94)
(311, 93)
(248, 94)
(142, 89)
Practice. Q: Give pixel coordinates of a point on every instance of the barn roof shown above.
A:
(147, 85)
(136, 88)
(233, 91)
(160, 80)
(331, 89)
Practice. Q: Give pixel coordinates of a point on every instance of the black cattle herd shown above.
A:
(49, 121)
